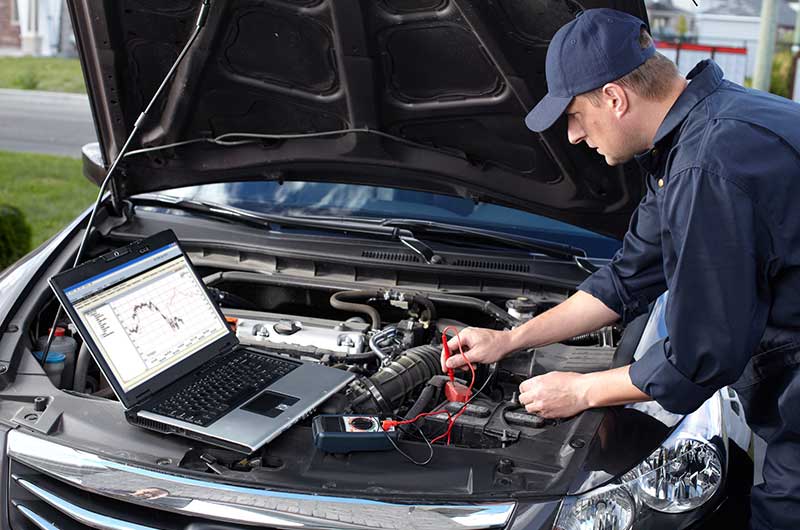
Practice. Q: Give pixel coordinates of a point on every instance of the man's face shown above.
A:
(601, 128)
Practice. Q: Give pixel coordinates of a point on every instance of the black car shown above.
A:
(357, 172)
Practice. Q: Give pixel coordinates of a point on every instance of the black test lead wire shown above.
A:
(430, 447)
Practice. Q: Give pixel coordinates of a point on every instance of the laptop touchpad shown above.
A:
(270, 404)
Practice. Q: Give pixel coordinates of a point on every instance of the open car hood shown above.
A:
(449, 80)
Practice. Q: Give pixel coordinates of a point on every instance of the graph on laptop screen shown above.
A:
(147, 314)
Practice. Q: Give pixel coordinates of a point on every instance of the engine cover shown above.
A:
(261, 329)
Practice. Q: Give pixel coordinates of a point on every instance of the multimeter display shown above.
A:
(335, 433)
(361, 423)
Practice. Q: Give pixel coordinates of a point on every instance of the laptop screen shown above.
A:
(147, 314)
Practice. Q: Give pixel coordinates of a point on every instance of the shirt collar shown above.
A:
(705, 78)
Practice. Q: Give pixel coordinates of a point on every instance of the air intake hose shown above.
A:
(342, 301)
(392, 385)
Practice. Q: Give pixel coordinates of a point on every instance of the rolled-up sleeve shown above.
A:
(716, 313)
(635, 276)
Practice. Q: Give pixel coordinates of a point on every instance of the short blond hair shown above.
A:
(651, 80)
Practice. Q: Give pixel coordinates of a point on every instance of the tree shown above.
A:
(683, 27)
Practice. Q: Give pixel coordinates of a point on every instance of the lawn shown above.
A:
(50, 190)
(54, 74)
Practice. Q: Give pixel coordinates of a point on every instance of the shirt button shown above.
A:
(660, 183)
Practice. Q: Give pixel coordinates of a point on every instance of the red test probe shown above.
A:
(453, 390)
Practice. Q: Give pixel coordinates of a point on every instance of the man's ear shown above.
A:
(615, 98)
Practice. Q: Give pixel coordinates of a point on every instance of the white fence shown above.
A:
(732, 60)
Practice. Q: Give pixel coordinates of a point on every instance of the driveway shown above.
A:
(45, 122)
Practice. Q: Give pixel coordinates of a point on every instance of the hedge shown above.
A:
(15, 235)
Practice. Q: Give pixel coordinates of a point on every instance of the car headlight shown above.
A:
(611, 509)
(677, 478)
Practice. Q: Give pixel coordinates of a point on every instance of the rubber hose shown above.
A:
(484, 306)
(424, 301)
(455, 299)
(434, 385)
(586, 339)
(338, 302)
(390, 387)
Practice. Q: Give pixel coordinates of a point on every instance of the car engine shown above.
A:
(391, 339)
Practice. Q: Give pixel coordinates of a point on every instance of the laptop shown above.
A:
(172, 359)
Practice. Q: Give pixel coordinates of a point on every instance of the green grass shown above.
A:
(54, 74)
(50, 190)
(781, 78)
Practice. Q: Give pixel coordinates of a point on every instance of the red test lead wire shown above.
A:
(388, 424)
(455, 391)
(459, 391)
(450, 372)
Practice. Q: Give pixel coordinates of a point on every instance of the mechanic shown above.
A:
(719, 227)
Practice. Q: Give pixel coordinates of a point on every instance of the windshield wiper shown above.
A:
(207, 209)
(541, 246)
(402, 230)
(269, 221)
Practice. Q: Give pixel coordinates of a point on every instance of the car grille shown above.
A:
(56, 487)
(39, 502)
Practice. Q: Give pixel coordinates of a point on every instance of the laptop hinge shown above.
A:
(141, 398)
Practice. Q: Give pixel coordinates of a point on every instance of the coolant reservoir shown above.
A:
(64, 345)
(522, 308)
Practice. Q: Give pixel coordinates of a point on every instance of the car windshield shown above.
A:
(349, 200)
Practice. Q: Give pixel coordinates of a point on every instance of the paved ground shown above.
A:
(45, 122)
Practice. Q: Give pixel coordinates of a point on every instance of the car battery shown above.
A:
(485, 424)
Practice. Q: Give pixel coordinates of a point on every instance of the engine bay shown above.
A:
(391, 340)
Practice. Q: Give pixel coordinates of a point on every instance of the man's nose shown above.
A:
(575, 133)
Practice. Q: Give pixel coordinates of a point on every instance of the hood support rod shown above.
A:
(201, 21)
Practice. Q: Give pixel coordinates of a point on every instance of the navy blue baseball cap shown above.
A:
(599, 46)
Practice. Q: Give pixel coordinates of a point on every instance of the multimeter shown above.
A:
(335, 433)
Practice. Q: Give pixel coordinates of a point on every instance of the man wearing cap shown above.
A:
(718, 228)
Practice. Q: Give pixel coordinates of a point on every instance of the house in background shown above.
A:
(670, 23)
(35, 27)
(9, 24)
(736, 24)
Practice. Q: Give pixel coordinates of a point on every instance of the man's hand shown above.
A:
(565, 394)
(580, 313)
(554, 395)
(480, 346)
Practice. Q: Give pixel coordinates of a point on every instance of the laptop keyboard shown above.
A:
(216, 392)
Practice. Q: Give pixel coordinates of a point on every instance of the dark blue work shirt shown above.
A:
(720, 228)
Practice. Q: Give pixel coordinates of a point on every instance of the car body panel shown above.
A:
(449, 81)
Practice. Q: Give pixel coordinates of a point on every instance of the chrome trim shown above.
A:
(237, 504)
(82, 515)
(35, 518)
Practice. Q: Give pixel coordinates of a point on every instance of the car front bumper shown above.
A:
(50, 482)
